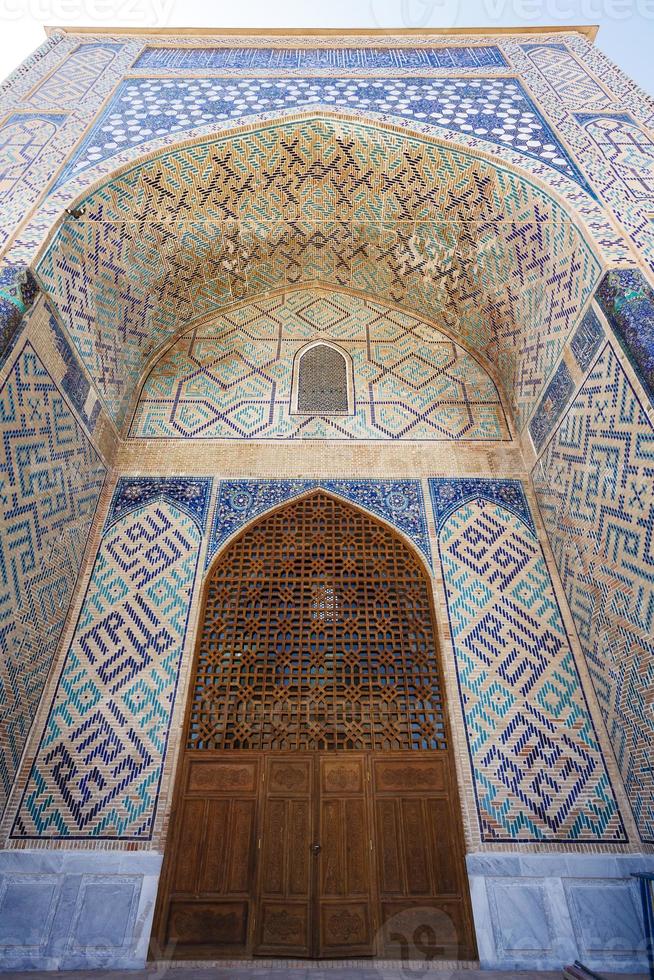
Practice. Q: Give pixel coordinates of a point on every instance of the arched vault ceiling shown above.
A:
(429, 227)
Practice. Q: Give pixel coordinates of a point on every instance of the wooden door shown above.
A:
(344, 906)
(423, 901)
(316, 811)
(306, 854)
(285, 906)
(209, 885)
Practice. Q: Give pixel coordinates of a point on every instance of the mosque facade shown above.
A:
(326, 499)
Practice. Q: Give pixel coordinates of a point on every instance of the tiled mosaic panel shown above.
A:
(627, 301)
(18, 290)
(497, 109)
(626, 147)
(594, 484)
(231, 378)
(537, 765)
(587, 339)
(73, 79)
(568, 78)
(50, 482)
(23, 136)
(188, 494)
(400, 502)
(343, 203)
(332, 59)
(557, 394)
(98, 767)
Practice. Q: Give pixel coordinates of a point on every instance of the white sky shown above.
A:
(626, 26)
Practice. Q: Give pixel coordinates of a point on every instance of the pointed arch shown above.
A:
(323, 380)
(272, 599)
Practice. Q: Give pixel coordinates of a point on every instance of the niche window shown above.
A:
(322, 381)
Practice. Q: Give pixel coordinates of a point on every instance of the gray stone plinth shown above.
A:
(74, 910)
(540, 911)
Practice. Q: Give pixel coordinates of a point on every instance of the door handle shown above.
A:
(315, 848)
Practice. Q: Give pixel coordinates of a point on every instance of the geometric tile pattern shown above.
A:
(567, 76)
(50, 482)
(538, 769)
(626, 147)
(557, 394)
(627, 301)
(231, 377)
(332, 59)
(448, 495)
(587, 339)
(75, 381)
(98, 767)
(497, 109)
(493, 257)
(594, 484)
(71, 81)
(400, 502)
(23, 136)
(189, 495)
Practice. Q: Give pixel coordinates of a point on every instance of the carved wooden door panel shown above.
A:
(344, 888)
(423, 900)
(285, 916)
(210, 883)
(316, 716)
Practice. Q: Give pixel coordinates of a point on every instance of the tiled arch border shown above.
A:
(398, 502)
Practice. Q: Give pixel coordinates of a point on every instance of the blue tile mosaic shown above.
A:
(190, 495)
(558, 393)
(495, 109)
(538, 769)
(74, 382)
(51, 478)
(98, 768)
(400, 502)
(18, 290)
(594, 486)
(278, 59)
(587, 339)
(627, 301)
(448, 495)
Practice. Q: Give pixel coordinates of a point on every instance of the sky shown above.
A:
(626, 26)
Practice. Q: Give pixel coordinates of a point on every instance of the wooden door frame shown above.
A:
(181, 764)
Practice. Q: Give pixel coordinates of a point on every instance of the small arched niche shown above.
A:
(323, 382)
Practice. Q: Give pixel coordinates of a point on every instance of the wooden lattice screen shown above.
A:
(317, 633)
(322, 382)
